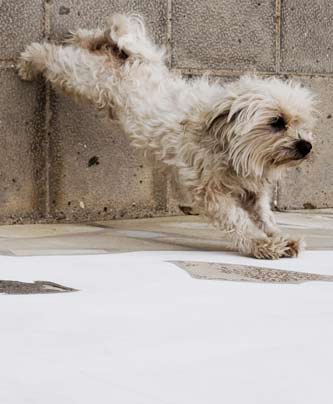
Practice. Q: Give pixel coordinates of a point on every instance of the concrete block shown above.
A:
(71, 14)
(21, 154)
(311, 185)
(21, 22)
(95, 173)
(307, 36)
(224, 34)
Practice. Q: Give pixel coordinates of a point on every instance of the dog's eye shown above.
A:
(278, 124)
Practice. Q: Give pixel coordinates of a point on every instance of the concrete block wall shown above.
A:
(59, 161)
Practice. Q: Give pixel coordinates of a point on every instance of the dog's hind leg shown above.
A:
(87, 39)
(72, 70)
(129, 34)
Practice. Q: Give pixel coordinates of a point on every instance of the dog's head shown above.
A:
(262, 125)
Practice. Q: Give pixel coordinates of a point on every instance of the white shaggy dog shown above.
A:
(225, 144)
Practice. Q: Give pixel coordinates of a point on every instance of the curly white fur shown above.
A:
(225, 144)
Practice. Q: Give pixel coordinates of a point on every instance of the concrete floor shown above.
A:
(186, 233)
(158, 234)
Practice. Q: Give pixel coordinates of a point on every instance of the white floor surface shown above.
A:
(142, 331)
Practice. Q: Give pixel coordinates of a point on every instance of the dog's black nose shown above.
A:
(303, 147)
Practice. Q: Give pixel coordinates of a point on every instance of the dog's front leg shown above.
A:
(246, 236)
(263, 216)
(259, 208)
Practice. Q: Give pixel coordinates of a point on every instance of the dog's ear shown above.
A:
(221, 115)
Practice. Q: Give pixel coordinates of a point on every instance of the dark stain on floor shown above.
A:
(246, 273)
(93, 161)
(64, 10)
(37, 287)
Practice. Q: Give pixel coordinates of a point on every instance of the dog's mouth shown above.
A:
(302, 158)
(294, 159)
(291, 162)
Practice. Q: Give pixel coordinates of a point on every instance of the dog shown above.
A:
(226, 144)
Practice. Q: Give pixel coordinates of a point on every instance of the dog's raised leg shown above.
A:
(129, 34)
(246, 236)
(72, 70)
(87, 39)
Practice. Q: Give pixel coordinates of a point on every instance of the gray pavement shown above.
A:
(185, 233)
(157, 234)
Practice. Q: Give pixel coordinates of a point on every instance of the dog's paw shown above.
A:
(293, 246)
(25, 70)
(72, 37)
(275, 248)
(31, 62)
(118, 26)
